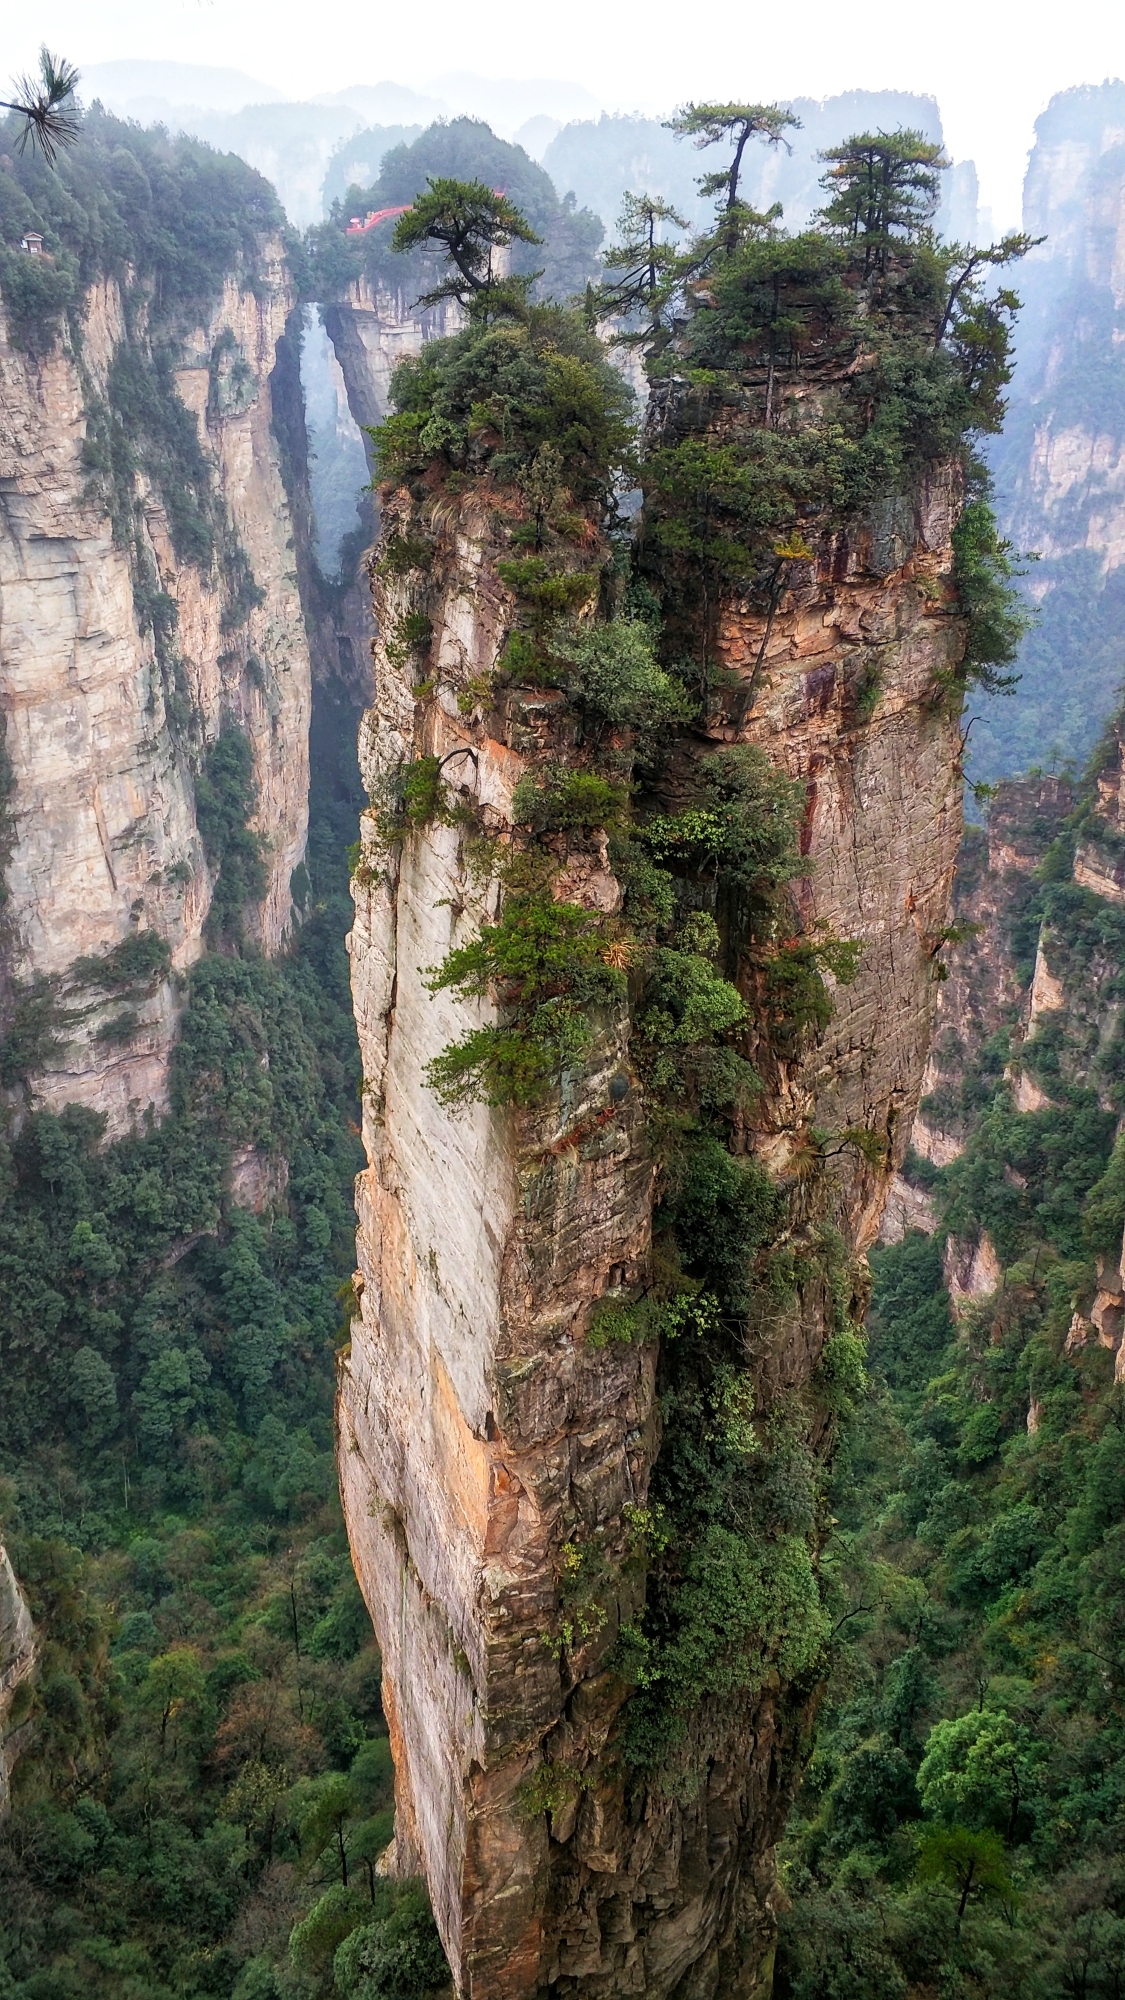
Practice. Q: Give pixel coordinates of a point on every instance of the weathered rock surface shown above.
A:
(475, 1424)
(983, 993)
(18, 1653)
(105, 840)
(372, 329)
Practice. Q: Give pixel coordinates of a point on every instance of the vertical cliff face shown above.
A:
(483, 1434)
(372, 328)
(1030, 1020)
(1060, 466)
(17, 1662)
(983, 990)
(122, 658)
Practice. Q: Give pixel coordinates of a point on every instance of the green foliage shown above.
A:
(982, 573)
(681, 1022)
(167, 215)
(400, 555)
(135, 966)
(471, 221)
(44, 107)
(645, 264)
(562, 801)
(461, 150)
(612, 671)
(486, 401)
(550, 1789)
(740, 1610)
(1103, 1216)
(742, 825)
(910, 1322)
(396, 1957)
(974, 1863)
(37, 295)
(225, 798)
(709, 124)
(981, 1769)
(545, 965)
(613, 1320)
(410, 636)
(408, 798)
(979, 1578)
(1059, 1155)
(207, 1732)
(882, 190)
(722, 1208)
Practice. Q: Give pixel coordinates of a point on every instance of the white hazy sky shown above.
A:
(992, 64)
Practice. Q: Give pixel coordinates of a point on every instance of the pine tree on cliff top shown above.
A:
(470, 221)
(708, 124)
(882, 189)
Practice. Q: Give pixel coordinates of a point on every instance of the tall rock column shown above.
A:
(484, 1439)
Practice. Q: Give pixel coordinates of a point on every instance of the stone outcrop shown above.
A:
(18, 1654)
(1061, 1005)
(105, 730)
(477, 1427)
(372, 329)
(983, 992)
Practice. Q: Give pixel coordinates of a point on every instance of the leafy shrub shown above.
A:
(558, 800)
(982, 571)
(614, 674)
(225, 798)
(138, 963)
(398, 1956)
(740, 1609)
(487, 399)
(37, 292)
(545, 962)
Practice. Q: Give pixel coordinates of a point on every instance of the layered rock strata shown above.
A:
(105, 730)
(478, 1429)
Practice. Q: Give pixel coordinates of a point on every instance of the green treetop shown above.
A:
(647, 263)
(470, 220)
(44, 106)
(708, 124)
(882, 188)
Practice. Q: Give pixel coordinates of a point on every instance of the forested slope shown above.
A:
(201, 1745)
(960, 1830)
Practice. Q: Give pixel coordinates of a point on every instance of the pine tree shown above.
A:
(471, 221)
(44, 105)
(708, 124)
(648, 263)
(883, 189)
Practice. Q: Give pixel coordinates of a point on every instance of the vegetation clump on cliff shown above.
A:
(561, 248)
